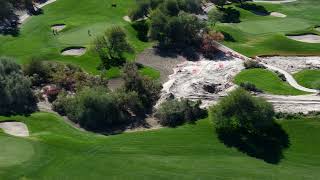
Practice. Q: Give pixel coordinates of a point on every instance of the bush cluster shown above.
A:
(15, 90)
(250, 64)
(177, 112)
(249, 87)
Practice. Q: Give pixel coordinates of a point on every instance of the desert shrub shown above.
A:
(249, 87)
(177, 112)
(281, 76)
(250, 64)
(38, 71)
(147, 89)
(208, 44)
(15, 90)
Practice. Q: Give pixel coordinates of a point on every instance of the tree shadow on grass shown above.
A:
(267, 145)
(254, 8)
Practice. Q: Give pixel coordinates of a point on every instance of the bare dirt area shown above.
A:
(277, 14)
(294, 104)
(307, 38)
(15, 128)
(205, 80)
(164, 64)
(293, 64)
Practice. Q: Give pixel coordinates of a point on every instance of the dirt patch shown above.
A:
(115, 83)
(293, 64)
(73, 51)
(277, 14)
(307, 38)
(15, 128)
(58, 27)
(164, 64)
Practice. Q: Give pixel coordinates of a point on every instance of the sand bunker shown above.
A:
(15, 128)
(127, 18)
(277, 14)
(73, 51)
(307, 38)
(58, 27)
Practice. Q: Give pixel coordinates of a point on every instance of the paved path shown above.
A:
(290, 79)
(24, 17)
(288, 76)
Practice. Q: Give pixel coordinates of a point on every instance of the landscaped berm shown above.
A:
(159, 89)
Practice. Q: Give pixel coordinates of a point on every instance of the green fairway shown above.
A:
(267, 81)
(308, 78)
(57, 151)
(80, 16)
(265, 35)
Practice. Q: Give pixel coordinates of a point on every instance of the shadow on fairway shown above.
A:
(267, 145)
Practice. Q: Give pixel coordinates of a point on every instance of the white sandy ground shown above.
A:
(74, 52)
(127, 18)
(292, 64)
(23, 17)
(15, 128)
(277, 14)
(274, 1)
(307, 38)
(58, 27)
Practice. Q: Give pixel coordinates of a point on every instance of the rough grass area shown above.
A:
(267, 81)
(266, 35)
(37, 40)
(308, 78)
(59, 151)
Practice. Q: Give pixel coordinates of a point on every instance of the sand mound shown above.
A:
(73, 51)
(204, 79)
(277, 14)
(58, 27)
(127, 18)
(15, 128)
(307, 38)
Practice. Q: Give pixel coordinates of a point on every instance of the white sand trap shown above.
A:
(58, 27)
(15, 128)
(277, 14)
(127, 18)
(75, 51)
(308, 38)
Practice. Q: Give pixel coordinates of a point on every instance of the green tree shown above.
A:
(239, 110)
(15, 90)
(112, 46)
(214, 16)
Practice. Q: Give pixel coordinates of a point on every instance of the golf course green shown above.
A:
(84, 21)
(266, 81)
(266, 35)
(308, 78)
(55, 150)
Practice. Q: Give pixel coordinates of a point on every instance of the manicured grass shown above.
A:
(57, 151)
(308, 78)
(150, 72)
(267, 81)
(265, 35)
(36, 38)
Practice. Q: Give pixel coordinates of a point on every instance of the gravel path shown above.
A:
(274, 2)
